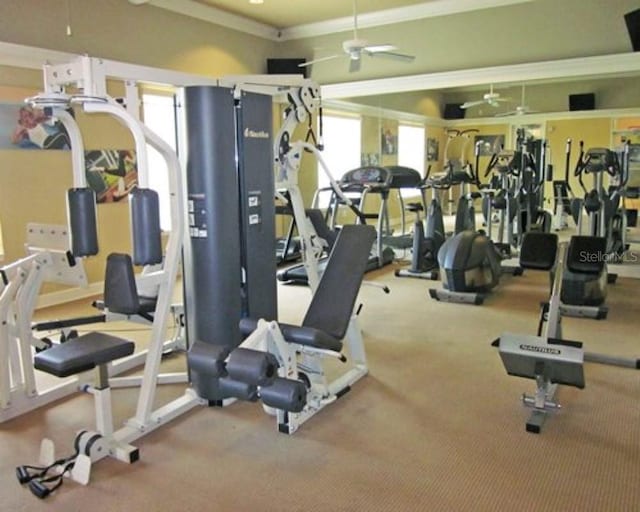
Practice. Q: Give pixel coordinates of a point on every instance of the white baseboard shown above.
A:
(70, 295)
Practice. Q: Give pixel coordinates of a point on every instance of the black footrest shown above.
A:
(82, 354)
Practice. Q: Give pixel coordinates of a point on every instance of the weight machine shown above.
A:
(236, 289)
(249, 355)
(95, 349)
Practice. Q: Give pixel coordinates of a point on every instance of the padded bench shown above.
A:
(327, 319)
(82, 353)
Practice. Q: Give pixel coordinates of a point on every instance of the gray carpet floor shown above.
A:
(437, 425)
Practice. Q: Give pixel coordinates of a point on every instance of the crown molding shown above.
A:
(218, 17)
(373, 19)
(542, 117)
(394, 15)
(563, 69)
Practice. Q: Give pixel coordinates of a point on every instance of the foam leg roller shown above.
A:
(208, 359)
(286, 394)
(145, 227)
(236, 389)
(252, 366)
(81, 211)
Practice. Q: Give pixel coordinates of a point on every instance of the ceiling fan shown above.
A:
(520, 110)
(491, 98)
(355, 48)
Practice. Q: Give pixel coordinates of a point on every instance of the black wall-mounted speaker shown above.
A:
(286, 67)
(453, 111)
(582, 101)
(632, 20)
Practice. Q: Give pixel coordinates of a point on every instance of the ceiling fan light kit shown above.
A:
(520, 110)
(493, 99)
(354, 49)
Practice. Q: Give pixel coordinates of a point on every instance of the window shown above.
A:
(341, 137)
(411, 147)
(160, 117)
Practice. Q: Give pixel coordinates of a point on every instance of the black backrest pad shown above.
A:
(320, 225)
(332, 304)
(587, 254)
(120, 292)
(538, 251)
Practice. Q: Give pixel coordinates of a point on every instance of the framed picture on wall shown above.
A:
(26, 127)
(388, 142)
(433, 149)
(111, 173)
(490, 144)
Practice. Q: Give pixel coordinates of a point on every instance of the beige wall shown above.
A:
(119, 30)
(528, 32)
(594, 132)
(424, 103)
(33, 183)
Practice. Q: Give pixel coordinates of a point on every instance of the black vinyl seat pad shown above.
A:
(82, 353)
(307, 336)
(586, 254)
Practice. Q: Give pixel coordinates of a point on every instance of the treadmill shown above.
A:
(288, 248)
(357, 185)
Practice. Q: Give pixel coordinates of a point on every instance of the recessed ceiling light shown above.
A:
(256, 1)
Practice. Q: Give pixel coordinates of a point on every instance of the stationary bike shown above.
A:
(427, 237)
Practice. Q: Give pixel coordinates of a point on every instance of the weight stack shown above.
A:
(229, 260)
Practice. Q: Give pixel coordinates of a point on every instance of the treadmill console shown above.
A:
(370, 176)
(600, 160)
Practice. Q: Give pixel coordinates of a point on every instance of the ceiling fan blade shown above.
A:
(321, 59)
(376, 48)
(519, 111)
(392, 55)
(354, 65)
(469, 104)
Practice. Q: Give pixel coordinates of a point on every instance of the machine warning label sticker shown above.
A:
(197, 216)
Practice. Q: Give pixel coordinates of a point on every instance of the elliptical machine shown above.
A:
(470, 267)
(603, 204)
(469, 261)
(583, 294)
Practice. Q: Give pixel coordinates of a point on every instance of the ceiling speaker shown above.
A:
(453, 111)
(632, 20)
(582, 101)
(286, 67)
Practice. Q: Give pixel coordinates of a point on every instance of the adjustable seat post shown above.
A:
(101, 392)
